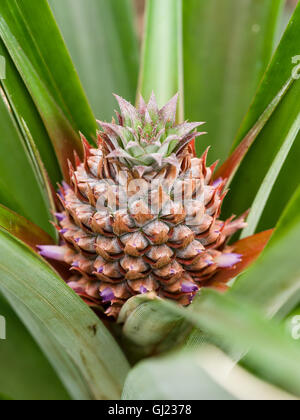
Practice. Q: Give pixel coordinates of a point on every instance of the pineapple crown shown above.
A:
(147, 137)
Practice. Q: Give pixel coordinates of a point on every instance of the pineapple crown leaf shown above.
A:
(147, 136)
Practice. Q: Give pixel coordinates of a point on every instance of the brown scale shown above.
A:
(135, 244)
(150, 283)
(159, 256)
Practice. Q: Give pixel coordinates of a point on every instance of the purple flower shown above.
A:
(143, 290)
(107, 295)
(52, 252)
(60, 216)
(189, 287)
(209, 263)
(217, 182)
(228, 260)
(76, 287)
(65, 186)
(75, 264)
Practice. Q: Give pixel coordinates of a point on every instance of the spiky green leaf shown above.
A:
(227, 47)
(102, 40)
(79, 336)
(198, 374)
(162, 67)
(19, 176)
(24, 108)
(37, 49)
(25, 371)
(240, 329)
(265, 159)
(273, 283)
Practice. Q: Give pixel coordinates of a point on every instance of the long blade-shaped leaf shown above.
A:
(80, 335)
(265, 159)
(229, 169)
(273, 282)
(34, 43)
(19, 178)
(237, 327)
(57, 356)
(33, 235)
(284, 188)
(179, 376)
(201, 374)
(272, 354)
(24, 108)
(227, 47)
(102, 40)
(23, 229)
(25, 372)
(268, 183)
(162, 66)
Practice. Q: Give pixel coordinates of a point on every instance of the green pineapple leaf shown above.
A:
(197, 374)
(262, 164)
(162, 66)
(37, 49)
(26, 373)
(19, 175)
(177, 376)
(23, 108)
(102, 39)
(78, 337)
(279, 291)
(227, 47)
(22, 228)
(240, 329)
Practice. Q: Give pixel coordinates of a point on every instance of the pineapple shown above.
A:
(142, 212)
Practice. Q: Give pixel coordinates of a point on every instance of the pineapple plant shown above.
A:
(120, 249)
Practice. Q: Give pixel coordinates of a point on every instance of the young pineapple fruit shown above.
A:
(142, 212)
